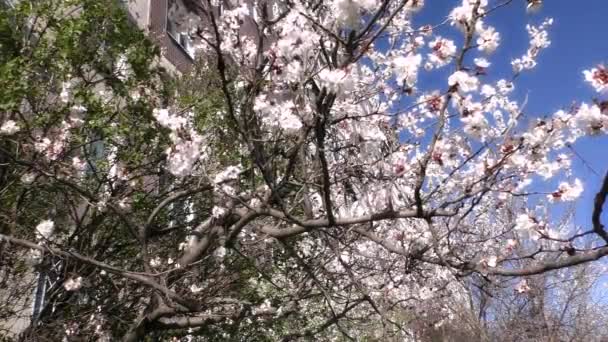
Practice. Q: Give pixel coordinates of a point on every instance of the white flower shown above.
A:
(567, 192)
(125, 203)
(45, 229)
(9, 127)
(511, 243)
(590, 119)
(168, 120)
(65, 92)
(218, 212)
(220, 252)
(336, 81)
(488, 39)
(504, 87)
(195, 289)
(73, 284)
(481, 63)
(525, 223)
(28, 178)
(184, 154)
(598, 78)
(465, 82)
(488, 90)
(289, 122)
(475, 124)
(36, 255)
(347, 11)
(443, 51)
(156, 262)
(122, 68)
(524, 63)
(492, 261)
(79, 164)
(406, 69)
(182, 246)
(263, 308)
(230, 173)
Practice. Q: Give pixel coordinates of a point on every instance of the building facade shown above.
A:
(167, 22)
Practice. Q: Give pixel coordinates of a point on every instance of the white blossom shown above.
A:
(195, 288)
(591, 120)
(465, 82)
(156, 262)
(45, 229)
(73, 284)
(567, 192)
(598, 78)
(488, 39)
(28, 178)
(492, 261)
(406, 69)
(9, 127)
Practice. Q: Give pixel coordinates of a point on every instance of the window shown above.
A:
(182, 22)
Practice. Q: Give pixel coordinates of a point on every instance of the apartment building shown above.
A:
(169, 23)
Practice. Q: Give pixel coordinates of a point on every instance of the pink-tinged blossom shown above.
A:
(9, 127)
(73, 284)
(598, 78)
(464, 81)
(591, 120)
(348, 12)
(45, 229)
(187, 146)
(336, 81)
(442, 52)
(539, 40)
(289, 122)
(511, 244)
(168, 120)
(475, 124)
(491, 261)
(488, 39)
(567, 192)
(462, 15)
(78, 164)
(526, 223)
(183, 155)
(406, 69)
(230, 173)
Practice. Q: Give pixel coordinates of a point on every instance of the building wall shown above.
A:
(175, 57)
(140, 12)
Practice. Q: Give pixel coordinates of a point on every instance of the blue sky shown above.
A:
(579, 40)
